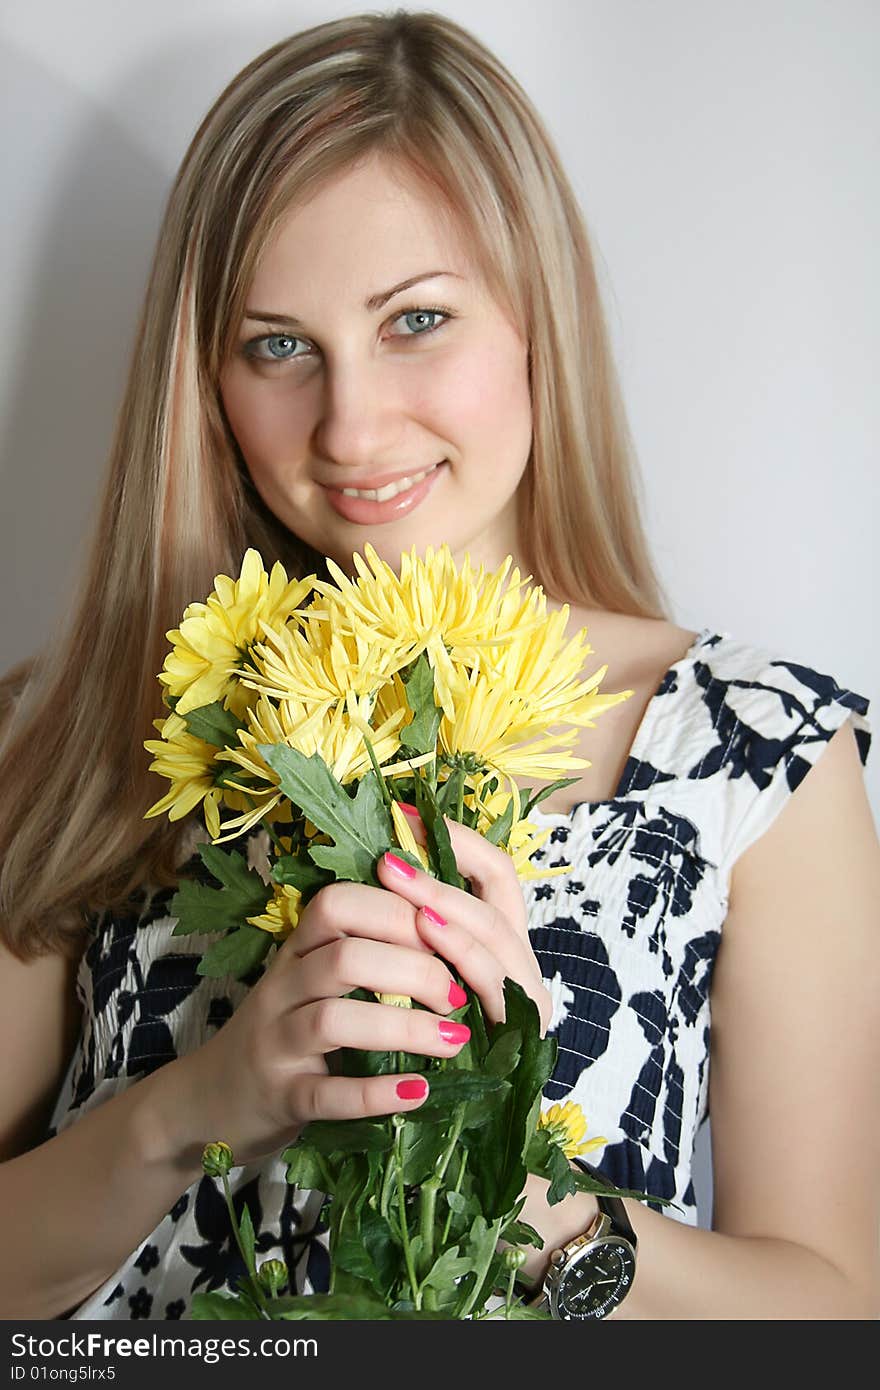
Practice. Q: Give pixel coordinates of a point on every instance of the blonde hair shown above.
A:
(178, 506)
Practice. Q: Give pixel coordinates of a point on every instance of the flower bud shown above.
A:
(514, 1258)
(217, 1159)
(272, 1275)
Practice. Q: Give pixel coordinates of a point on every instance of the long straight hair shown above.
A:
(178, 506)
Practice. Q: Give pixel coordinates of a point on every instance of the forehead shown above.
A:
(365, 229)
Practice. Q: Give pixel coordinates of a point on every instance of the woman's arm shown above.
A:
(793, 1083)
(72, 1208)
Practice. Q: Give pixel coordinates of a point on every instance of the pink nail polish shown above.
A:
(408, 809)
(411, 1090)
(400, 866)
(454, 1032)
(434, 917)
(457, 995)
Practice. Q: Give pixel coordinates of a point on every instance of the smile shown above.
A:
(382, 494)
(373, 506)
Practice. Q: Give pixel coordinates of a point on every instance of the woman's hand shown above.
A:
(483, 934)
(263, 1076)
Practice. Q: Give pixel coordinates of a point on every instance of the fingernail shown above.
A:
(457, 995)
(454, 1032)
(412, 1090)
(434, 917)
(400, 866)
(410, 810)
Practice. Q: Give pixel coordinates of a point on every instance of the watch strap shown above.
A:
(612, 1207)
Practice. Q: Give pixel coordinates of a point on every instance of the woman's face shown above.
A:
(341, 379)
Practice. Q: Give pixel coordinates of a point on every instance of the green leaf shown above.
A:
(206, 1307)
(350, 1255)
(584, 1182)
(336, 1307)
(421, 735)
(500, 829)
(214, 724)
(236, 954)
(452, 1088)
(353, 1061)
(457, 1202)
(382, 1248)
(518, 1312)
(360, 826)
(200, 908)
(298, 871)
(450, 791)
(246, 1231)
(520, 1233)
(422, 1146)
(351, 1136)
(440, 853)
(449, 1267)
(537, 796)
(503, 1055)
(303, 1168)
(498, 1148)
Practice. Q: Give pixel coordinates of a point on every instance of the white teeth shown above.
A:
(382, 494)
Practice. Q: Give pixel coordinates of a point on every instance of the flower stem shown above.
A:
(482, 1269)
(509, 1297)
(272, 836)
(387, 1184)
(457, 1188)
(404, 1230)
(386, 795)
(427, 1210)
(249, 1265)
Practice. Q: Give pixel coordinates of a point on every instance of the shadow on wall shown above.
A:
(86, 186)
(92, 233)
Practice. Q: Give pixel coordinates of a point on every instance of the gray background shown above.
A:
(725, 155)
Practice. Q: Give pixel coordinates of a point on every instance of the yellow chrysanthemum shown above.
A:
(336, 734)
(282, 911)
(192, 767)
(431, 607)
(566, 1126)
(545, 671)
(320, 661)
(214, 638)
(487, 728)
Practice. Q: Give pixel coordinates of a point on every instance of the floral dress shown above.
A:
(626, 941)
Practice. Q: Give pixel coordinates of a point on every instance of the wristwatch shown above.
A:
(593, 1273)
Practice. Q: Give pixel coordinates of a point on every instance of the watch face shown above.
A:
(596, 1282)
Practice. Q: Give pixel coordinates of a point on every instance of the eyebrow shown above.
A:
(372, 304)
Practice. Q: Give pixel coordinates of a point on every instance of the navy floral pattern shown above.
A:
(626, 941)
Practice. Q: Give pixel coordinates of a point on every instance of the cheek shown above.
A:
(262, 420)
(490, 399)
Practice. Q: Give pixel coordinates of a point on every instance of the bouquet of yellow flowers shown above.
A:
(315, 710)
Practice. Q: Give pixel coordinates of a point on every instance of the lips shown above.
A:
(383, 493)
(365, 511)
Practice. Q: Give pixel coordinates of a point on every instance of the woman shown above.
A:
(372, 268)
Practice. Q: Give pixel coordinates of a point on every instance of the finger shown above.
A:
(490, 869)
(483, 919)
(329, 1024)
(355, 1097)
(479, 967)
(353, 909)
(352, 962)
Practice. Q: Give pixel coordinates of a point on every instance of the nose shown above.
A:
(361, 416)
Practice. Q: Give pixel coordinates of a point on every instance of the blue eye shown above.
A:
(279, 347)
(416, 314)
